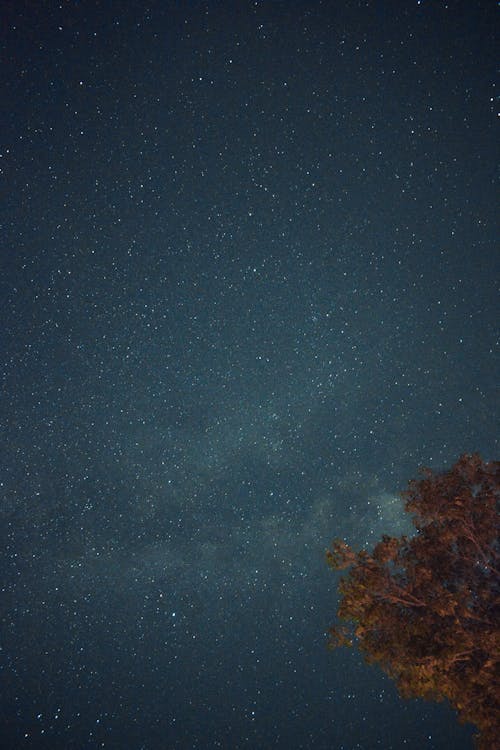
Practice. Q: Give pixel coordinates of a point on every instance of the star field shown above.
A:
(249, 286)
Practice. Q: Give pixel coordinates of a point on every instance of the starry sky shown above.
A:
(248, 282)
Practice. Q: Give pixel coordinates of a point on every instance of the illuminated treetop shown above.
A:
(426, 609)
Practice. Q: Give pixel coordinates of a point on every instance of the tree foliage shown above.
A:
(426, 609)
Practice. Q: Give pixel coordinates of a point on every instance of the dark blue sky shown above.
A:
(249, 281)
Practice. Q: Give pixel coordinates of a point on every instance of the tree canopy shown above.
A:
(426, 609)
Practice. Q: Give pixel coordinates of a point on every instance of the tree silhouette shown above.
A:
(426, 609)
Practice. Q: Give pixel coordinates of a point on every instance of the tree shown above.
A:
(426, 609)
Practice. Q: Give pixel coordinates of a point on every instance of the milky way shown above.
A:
(248, 284)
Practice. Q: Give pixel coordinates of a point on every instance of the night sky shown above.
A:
(248, 282)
